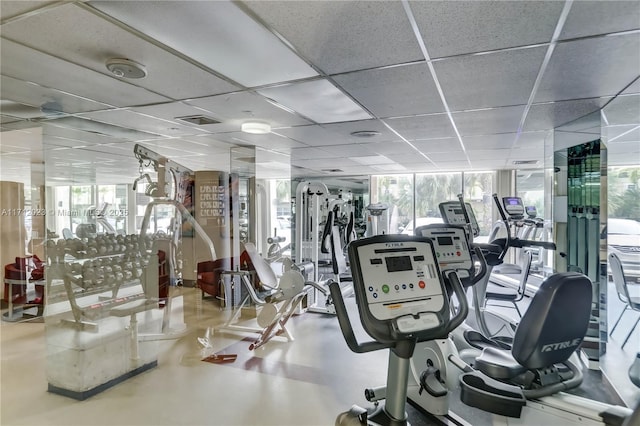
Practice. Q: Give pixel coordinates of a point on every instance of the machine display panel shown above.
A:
(445, 241)
(398, 263)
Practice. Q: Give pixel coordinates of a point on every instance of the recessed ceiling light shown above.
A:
(125, 68)
(365, 133)
(256, 128)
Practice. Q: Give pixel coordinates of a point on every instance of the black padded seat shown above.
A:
(498, 364)
(479, 341)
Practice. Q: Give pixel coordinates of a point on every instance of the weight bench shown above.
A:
(278, 300)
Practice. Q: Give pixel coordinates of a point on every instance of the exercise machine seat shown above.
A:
(498, 363)
(266, 275)
(550, 331)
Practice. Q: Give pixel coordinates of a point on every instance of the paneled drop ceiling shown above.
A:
(434, 85)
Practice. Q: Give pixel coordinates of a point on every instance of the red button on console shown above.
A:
(421, 284)
(458, 253)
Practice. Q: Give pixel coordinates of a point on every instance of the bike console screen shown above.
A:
(400, 281)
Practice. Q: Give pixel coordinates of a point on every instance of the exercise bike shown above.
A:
(403, 299)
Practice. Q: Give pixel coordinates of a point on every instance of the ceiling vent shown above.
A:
(365, 133)
(523, 162)
(198, 120)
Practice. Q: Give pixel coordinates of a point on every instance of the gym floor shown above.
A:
(305, 382)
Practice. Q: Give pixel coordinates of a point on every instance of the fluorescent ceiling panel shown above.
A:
(318, 100)
(218, 35)
(371, 160)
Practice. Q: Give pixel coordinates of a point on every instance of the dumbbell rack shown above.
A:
(100, 291)
(97, 274)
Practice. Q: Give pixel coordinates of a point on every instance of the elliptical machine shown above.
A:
(403, 299)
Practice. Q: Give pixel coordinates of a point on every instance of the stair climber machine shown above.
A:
(523, 228)
(402, 299)
(489, 322)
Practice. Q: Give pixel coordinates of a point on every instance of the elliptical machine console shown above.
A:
(402, 299)
(453, 214)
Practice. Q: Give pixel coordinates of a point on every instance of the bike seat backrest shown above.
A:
(266, 275)
(556, 321)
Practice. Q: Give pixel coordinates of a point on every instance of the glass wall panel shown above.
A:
(620, 121)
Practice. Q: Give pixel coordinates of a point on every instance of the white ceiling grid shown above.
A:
(440, 85)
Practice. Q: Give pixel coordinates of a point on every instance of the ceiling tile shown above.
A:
(588, 18)
(491, 80)
(133, 120)
(339, 133)
(623, 110)
(268, 141)
(10, 9)
(386, 148)
(56, 32)
(551, 115)
(343, 36)
(101, 128)
(633, 88)
(18, 62)
(218, 35)
(458, 27)
(502, 141)
(318, 100)
(310, 153)
(495, 164)
(622, 158)
(236, 108)
(453, 165)
(68, 136)
(591, 68)
(321, 163)
(533, 139)
(439, 145)
(423, 127)
(350, 150)
(622, 134)
(12, 111)
(488, 121)
(394, 92)
(38, 97)
(489, 154)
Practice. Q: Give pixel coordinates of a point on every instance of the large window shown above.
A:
(530, 187)
(421, 206)
(478, 191)
(397, 192)
(94, 208)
